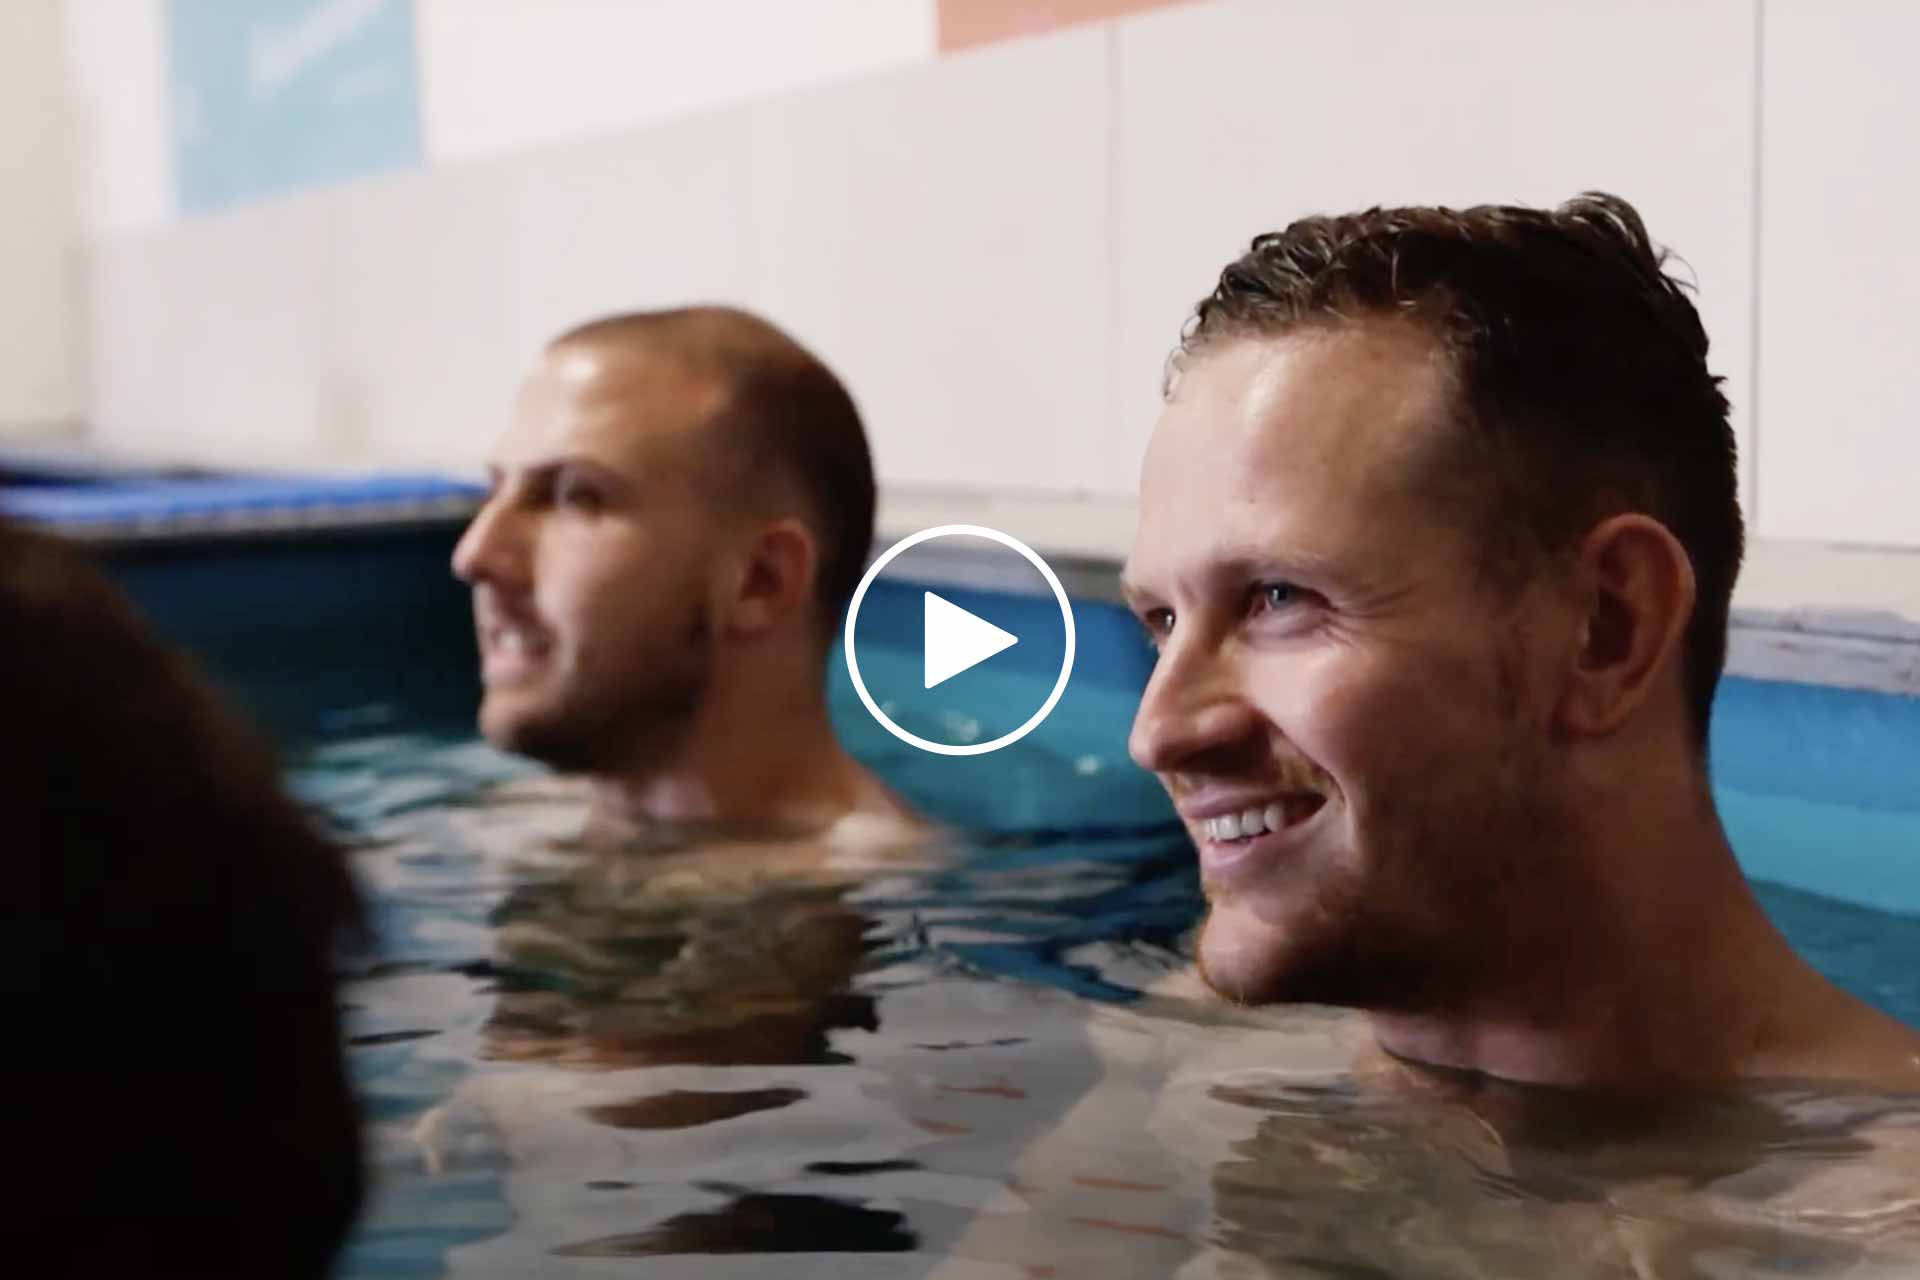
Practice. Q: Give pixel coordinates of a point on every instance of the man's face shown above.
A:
(594, 562)
(1341, 710)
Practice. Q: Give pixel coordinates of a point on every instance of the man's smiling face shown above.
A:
(1342, 707)
(593, 561)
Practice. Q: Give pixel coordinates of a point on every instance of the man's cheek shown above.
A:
(1336, 724)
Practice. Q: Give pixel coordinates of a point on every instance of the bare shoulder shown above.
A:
(1892, 1049)
(1860, 1046)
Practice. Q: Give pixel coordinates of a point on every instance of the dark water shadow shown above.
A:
(762, 1223)
(689, 1108)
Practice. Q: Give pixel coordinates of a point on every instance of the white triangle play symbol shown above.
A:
(956, 640)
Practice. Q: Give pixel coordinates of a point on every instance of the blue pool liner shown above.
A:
(155, 504)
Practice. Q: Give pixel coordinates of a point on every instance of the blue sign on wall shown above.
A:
(271, 95)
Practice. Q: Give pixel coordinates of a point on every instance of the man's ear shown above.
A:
(781, 566)
(1637, 586)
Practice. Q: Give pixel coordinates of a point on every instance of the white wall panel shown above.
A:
(137, 331)
(346, 329)
(417, 365)
(498, 75)
(1840, 303)
(655, 218)
(39, 232)
(116, 70)
(941, 236)
(210, 338)
(1236, 118)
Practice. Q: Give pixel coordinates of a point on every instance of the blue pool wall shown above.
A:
(309, 598)
(1819, 788)
(1070, 774)
(311, 635)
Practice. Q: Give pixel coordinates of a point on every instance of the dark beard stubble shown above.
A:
(643, 723)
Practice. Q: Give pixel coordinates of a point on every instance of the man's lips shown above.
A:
(1237, 833)
(510, 651)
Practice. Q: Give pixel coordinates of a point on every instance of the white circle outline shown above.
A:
(972, 531)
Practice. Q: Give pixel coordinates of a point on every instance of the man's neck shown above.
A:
(1662, 967)
(753, 756)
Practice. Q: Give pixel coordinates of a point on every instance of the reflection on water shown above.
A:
(615, 964)
(685, 1108)
(760, 1223)
(758, 1065)
(660, 1052)
(1340, 1178)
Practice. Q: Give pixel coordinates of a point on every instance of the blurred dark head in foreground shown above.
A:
(168, 926)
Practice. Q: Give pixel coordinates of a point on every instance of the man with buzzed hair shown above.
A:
(680, 509)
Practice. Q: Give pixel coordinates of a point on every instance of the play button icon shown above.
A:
(956, 640)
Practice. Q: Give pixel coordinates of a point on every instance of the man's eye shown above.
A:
(1157, 623)
(581, 497)
(1269, 596)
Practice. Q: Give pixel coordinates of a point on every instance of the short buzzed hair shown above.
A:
(1580, 369)
(781, 411)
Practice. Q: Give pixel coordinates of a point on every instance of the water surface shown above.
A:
(576, 1062)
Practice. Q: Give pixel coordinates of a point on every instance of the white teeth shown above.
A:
(1248, 822)
(517, 643)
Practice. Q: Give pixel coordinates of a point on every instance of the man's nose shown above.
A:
(1191, 706)
(493, 549)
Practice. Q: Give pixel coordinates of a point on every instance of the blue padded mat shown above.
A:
(235, 502)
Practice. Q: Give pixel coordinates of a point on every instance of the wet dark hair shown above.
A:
(782, 411)
(1580, 367)
(169, 919)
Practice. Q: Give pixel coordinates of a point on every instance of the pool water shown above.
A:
(576, 1065)
(614, 1066)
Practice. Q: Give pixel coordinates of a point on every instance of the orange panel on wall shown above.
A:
(966, 23)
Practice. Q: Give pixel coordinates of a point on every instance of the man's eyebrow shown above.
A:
(544, 469)
(1238, 564)
(1133, 593)
(1251, 562)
